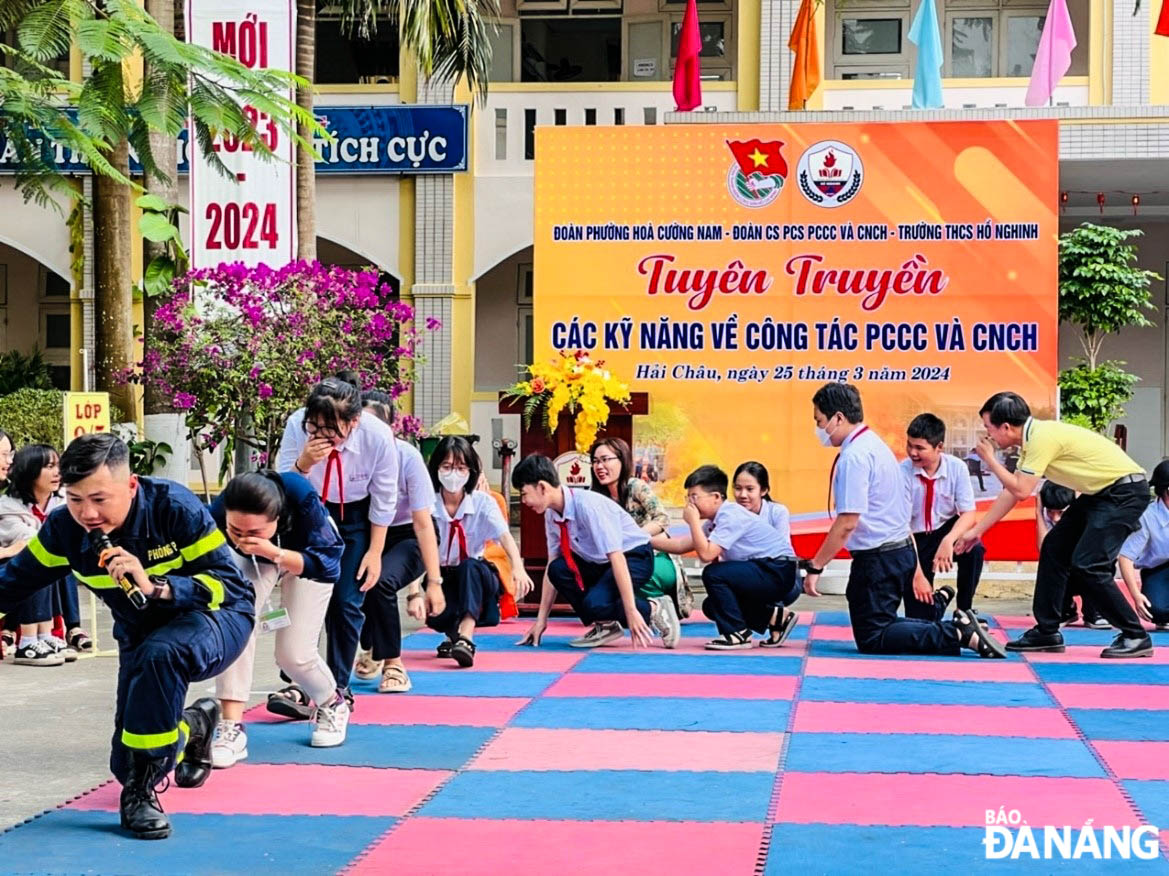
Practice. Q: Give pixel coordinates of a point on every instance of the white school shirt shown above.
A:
(778, 517)
(415, 488)
(744, 535)
(478, 515)
(369, 465)
(869, 482)
(1149, 545)
(953, 494)
(597, 526)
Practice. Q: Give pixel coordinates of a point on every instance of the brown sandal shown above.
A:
(394, 679)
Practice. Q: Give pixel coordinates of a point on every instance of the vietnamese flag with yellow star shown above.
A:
(759, 156)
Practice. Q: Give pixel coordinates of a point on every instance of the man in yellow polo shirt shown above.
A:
(1085, 542)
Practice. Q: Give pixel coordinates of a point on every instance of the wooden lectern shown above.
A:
(534, 439)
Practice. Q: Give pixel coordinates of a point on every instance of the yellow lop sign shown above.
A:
(86, 412)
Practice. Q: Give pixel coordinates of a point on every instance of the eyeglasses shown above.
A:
(448, 469)
(604, 460)
(321, 431)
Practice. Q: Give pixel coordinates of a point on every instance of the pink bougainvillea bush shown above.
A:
(236, 349)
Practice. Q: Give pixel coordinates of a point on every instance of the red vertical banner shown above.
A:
(688, 69)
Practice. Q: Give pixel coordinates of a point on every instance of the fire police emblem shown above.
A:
(830, 173)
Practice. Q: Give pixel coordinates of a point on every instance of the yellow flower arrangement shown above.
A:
(573, 381)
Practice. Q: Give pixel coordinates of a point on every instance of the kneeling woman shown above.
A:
(280, 533)
(467, 519)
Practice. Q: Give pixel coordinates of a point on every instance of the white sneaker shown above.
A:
(63, 648)
(229, 745)
(664, 618)
(332, 724)
(601, 634)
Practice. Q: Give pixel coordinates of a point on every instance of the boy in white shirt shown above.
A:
(751, 574)
(597, 560)
(941, 509)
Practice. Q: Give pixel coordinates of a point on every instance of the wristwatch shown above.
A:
(162, 589)
(809, 569)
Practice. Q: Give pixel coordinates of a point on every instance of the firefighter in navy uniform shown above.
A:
(195, 617)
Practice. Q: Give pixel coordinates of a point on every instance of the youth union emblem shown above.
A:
(758, 173)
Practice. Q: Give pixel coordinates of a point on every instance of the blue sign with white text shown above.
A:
(398, 139)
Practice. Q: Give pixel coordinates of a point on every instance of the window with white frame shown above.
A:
(576, 41)
(981, 38)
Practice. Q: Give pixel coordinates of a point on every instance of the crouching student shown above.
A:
(598, 560)
(1147, 549)
(941, 510)
(467, 519)
(751, 574)
(280, 533)
(872, 520)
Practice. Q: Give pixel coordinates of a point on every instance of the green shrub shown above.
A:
(34, 416)
(18, 371)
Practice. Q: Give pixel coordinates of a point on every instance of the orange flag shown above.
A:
(806, 66)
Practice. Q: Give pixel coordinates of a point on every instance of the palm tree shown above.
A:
(450, 39)
(114, 113)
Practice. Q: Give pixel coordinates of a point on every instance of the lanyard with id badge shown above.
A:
(272, 619)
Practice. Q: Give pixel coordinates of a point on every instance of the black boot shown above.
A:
(201, 716)
(142, 814)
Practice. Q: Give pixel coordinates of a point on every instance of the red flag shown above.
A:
(687, 81)
(1163, 21)
(759, 156)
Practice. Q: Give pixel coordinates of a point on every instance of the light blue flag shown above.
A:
(927, 78)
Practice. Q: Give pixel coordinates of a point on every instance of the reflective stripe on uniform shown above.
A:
(215, 586)
(147, 741)
(45, 557)
(96, 582)
(205, 545)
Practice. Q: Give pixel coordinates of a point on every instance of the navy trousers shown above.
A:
(153, 677)
(1155, 585)
(401, 564)
(969, 571)
(875, 585)
(742, 594)
(344, 617)
(600, 600)
(471, 588)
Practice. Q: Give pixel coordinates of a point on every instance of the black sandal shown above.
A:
(290, 702)
(463, 652)
(969, 628)
(444, 647)
(778, 633)
(739, 641)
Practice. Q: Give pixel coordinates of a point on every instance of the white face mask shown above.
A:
(822, 435)
(453, 481)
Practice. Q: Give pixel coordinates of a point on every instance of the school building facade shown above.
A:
(459, 244)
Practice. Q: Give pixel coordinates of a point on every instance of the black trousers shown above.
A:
(600, 600)
(969, 571)
(401, 564)
(875, 585)
(1081, 551)
(471, 588)
(741, 595)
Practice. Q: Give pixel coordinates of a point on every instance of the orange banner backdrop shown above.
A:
(730, 270)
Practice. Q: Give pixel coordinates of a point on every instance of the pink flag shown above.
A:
(1054, 55)
(688, 68)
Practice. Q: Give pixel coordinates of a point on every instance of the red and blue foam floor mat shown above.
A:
(810, 758)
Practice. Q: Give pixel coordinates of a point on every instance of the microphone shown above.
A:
(104, 548)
